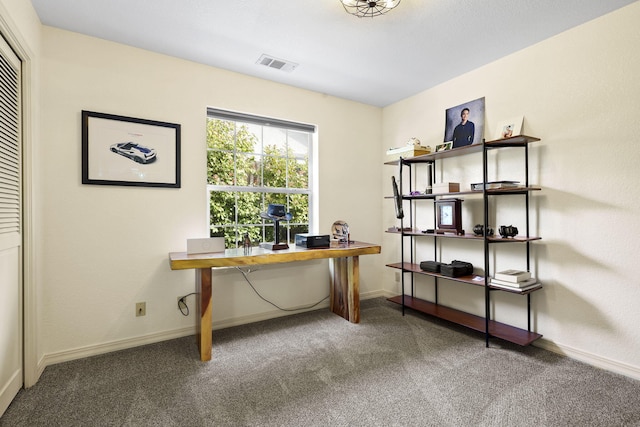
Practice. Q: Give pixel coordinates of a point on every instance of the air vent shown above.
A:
(278, 64)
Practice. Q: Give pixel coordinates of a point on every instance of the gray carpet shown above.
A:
(315, 369)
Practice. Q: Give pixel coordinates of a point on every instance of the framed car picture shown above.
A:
(118, 150)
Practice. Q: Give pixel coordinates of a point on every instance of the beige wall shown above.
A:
(105, 248)
(579, 93)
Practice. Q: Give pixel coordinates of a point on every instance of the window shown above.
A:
(252, 162)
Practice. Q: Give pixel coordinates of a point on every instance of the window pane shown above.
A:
(299, 208)
(220, 168)
(268, 233)
(220, 134)
(276, 140)
(298, 173)
(299, 143)
(249, 138)
(274, 170)
(222, 208)
(276, 199)
(248, 170)
(255, 235)
(249, 205)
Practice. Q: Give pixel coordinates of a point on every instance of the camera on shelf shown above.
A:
(508, 231)
(478, 230)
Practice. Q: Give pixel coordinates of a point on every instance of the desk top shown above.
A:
(237, 257)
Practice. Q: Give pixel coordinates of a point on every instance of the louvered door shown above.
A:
(11, 374)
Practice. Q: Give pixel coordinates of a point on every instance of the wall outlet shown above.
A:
(398, 277)
(141, 309)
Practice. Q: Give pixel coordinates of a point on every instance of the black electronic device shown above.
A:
(311, 241)
(397, 198)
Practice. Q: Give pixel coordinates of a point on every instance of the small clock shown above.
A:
(449, 216)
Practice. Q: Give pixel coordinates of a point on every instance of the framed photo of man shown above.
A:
(464, 123)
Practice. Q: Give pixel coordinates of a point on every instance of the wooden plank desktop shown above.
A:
(344, 290)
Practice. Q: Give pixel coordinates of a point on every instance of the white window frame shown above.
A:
(309, 191)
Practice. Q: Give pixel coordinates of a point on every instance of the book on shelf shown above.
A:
(516, 285)
(495, 185)
(514, 288)
(512, 276)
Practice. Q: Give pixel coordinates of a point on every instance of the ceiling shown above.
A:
(376, 61)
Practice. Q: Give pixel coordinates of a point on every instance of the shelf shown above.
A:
(482, 324)
(514, 141)
(492, 239)
(516, 291)
(492, 192)
(473, 279)
(499, 330)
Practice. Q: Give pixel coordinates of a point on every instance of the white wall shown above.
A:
(105, 247)
(579, 93)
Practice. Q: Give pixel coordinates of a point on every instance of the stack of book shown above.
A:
(514, 280)
(495, 185)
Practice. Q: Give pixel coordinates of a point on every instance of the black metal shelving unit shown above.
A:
(489, 327)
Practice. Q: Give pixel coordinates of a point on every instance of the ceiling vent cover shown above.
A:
(278, 64)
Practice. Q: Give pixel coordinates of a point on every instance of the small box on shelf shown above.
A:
(445, 187)
(407, 151)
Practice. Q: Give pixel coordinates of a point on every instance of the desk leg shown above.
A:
(203, 304)
(344, 294)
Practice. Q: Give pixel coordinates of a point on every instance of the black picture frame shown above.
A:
(128, 151)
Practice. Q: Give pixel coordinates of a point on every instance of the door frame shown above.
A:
(30, 366)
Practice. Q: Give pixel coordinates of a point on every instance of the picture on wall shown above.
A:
(118, 150)
(509, 128)
(464, 123)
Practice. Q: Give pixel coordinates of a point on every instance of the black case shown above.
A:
(430, 266)
(456, 269)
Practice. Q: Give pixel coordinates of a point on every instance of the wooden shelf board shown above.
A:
(473, 279)
(492, 192)
(471, 321)
(514, 141)
(492, 239)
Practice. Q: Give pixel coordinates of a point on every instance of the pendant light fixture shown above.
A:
(370, 8)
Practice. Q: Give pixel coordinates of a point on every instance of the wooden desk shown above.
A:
(344, 290)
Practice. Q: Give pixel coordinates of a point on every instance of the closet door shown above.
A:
(11, 327)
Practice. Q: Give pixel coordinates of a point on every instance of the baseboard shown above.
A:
(94, 350)
(88, 351)
(9, 390)
(590, 358)
(272, 314)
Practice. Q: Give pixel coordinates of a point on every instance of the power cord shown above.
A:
(182, 304)
(184, 309)
(245, 273)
